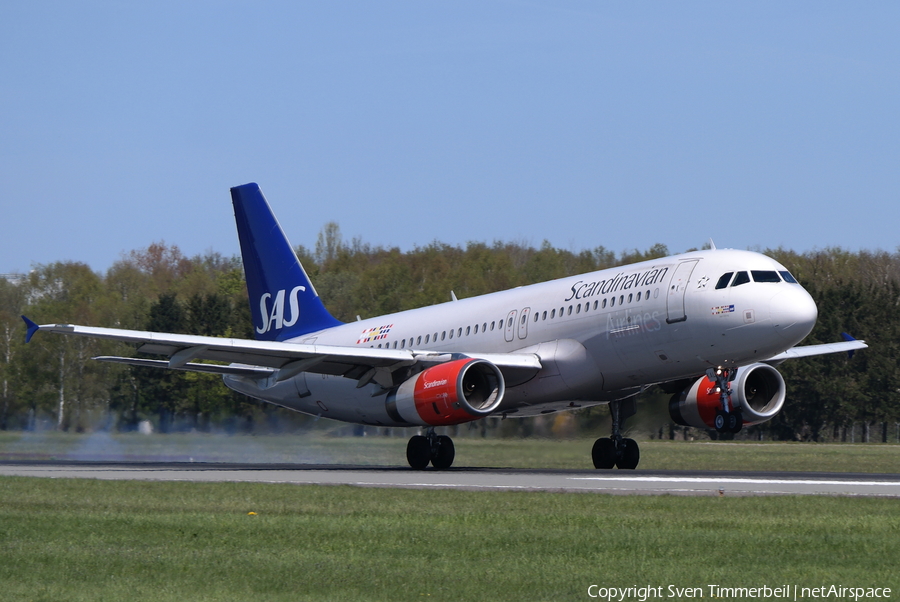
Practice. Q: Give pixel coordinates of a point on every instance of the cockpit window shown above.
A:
(723, 281)
(765, 276)
(741, 278)
(788, 277)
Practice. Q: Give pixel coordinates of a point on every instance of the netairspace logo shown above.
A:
(764, 592)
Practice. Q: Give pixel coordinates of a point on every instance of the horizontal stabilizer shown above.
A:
(251, 371)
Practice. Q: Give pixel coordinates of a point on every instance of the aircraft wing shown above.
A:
(262, 359)
(848, 346)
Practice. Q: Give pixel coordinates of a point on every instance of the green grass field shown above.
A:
(101, 540)
(318, 448)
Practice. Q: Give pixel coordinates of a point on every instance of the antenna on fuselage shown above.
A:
(712, 245)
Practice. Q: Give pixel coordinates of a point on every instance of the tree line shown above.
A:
(52, 383)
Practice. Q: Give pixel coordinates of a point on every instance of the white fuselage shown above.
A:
(600, 336)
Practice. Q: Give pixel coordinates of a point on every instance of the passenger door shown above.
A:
(677, 288)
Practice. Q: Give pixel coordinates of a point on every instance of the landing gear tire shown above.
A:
(418, 452)
(442, 456)
(720, 422)
(436, 449)
(629, 454)
(617, 450)
(735, 422)
(604, 453)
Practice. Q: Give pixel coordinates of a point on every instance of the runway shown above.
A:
(480, 479)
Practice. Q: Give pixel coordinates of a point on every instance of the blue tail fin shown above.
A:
(283, 301)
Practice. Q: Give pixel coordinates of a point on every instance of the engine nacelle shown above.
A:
(451, 393)
(758, 392)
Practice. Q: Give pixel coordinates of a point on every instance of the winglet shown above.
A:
(32, 328)
(848, 338)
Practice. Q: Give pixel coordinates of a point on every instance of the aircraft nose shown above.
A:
(793, 313)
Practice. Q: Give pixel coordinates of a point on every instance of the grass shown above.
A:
(319, 448)
(103, 540)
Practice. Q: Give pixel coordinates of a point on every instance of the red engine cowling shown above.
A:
(451, 393)
(758, 392)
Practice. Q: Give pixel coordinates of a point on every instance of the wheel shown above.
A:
(604, 453)
(444, 454)
(731, 421)
(720, 421)
(736, 423)
(629, 455)
(418, 452)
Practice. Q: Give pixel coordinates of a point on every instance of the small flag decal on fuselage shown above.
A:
(722, 309)
(374, 334)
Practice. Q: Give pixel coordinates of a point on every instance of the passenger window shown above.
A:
(402, 343)
(765, 276)
(418, 340)
(570, 310)
(741, 278)
(544, 316)
(443, 335)
(578, 308)
(621, 299)
(536, 316)
(468, 330)
(629, 297)
(638, 298)
(723, 280)
(427, 336)
(434, 338)
(484, 327)
(612, 302)
(552, 314)
(604, 303)
(451, 334)
(595, 305)
(459, 333)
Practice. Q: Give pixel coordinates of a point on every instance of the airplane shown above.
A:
(708, 326)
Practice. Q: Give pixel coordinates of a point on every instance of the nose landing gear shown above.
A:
(728, 419)
(617, 450)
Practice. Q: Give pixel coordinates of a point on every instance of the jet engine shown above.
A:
(757, 391)
(451, 393)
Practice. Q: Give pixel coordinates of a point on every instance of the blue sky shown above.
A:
(582, 123)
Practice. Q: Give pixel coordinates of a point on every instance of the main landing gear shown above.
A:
(430, 447)
(728, 419)
(617, 450)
